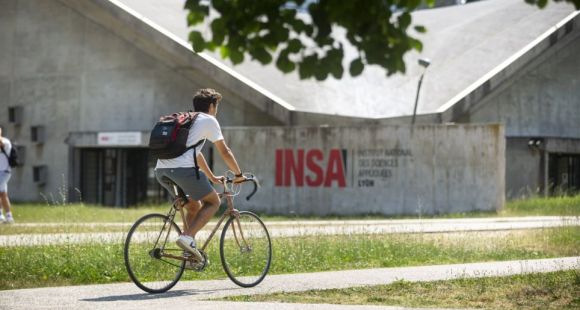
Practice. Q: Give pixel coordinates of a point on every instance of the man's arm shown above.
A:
(205, 168)
(229, 159)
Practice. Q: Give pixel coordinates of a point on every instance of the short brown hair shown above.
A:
(204, 98)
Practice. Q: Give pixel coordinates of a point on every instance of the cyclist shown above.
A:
(203, 198)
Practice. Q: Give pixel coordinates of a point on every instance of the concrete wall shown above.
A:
(72, 74)
(524, 169)
(372, 170)
(543, 99)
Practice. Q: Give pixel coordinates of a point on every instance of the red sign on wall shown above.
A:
(306, 168)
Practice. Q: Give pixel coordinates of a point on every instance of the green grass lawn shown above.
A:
(555, 290)
(69, 215)
(80, 213)
(22, 267)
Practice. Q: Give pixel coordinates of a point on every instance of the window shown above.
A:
(21, 149)
(40, 174)
(15, 115)
(37, 134)
(564, 173)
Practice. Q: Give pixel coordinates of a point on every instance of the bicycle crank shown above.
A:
(155, 253)
(192, 263)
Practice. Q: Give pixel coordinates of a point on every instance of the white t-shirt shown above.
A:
(4, 159)
(205, 127)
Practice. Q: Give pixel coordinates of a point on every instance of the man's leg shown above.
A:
(192, 207)
(211, 203)
(5, 201)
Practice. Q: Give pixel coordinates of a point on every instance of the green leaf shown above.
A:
(280, 34)
(307, 66)
(404, 20)
(356, 67)
(236, 56)
(284, 64)
(298, 25)
(197, 41)
(420, 29)
(194, 18)
(416, 44)
(224, 52)
(413, 4)
(304, 71)
(309, 30)
(210, 46)
(262, 55)
(195, 6)
(294, 46)
(218, 30)
(321, 74)
(542, 3)
(337, 71)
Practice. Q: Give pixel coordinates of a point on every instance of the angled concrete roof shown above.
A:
(464, 43)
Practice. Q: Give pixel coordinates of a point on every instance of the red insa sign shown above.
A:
(306, 168)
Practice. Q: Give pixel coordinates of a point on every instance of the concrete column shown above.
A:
(546, 173)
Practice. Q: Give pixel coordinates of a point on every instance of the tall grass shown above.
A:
(555, 290)
(39, 266)
(560, 205)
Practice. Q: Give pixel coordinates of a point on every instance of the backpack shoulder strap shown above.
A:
(193, 116)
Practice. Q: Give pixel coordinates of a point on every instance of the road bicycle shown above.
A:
(155, 263)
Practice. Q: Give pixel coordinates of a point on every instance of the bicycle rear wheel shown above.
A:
(246, 249)
(151, 236)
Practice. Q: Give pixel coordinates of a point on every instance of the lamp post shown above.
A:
(423, 62)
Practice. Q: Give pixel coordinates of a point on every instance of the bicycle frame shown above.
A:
(178, 204)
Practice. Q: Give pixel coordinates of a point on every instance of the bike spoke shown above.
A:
(246, 249)
(148, 269)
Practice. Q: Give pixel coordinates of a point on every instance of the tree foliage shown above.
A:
(296, 35)
(542, 3)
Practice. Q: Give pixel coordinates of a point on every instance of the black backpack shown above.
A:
(169, 136)
(13, 159)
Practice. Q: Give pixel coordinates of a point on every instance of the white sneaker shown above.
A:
(9, 220)
(187, 243)
(2, 219)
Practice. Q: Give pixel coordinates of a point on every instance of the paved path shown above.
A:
(195, 294)
(308, 228)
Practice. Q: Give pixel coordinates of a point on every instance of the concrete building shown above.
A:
(82, 82)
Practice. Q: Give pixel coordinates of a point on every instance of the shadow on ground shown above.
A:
(146, 296)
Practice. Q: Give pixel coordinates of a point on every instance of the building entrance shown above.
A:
(564, 176)
(117, 176)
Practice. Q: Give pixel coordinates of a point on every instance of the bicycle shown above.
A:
(155, 265)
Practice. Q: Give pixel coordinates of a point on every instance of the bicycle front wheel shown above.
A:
(245, 249)
(149, 238)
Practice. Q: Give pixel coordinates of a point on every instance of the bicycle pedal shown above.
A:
(192, 263)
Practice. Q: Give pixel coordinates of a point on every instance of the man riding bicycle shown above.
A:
(203, 198)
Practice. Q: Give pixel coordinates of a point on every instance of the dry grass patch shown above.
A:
(556, 290)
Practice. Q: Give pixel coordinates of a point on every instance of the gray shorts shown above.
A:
(4, 177)
(186, 179)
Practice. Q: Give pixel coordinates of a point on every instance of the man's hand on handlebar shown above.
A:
(220, 179)
(239, 179)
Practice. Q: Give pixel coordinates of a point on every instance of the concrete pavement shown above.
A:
(309, 228)
(195, 294)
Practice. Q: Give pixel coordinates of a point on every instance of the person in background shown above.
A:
(5, 213)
